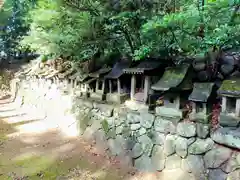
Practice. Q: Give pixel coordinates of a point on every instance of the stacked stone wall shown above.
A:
(148, 141)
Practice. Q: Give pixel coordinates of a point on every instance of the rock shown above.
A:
(146, 143)
(133, 118)
(111, 133)
(191, 140)
(135, 127)
(232, 164)
(158, 138)
(216, 174)
(235, 175)
(202, 130)
(164, 126)
(137, 150)
(201, 146)
(226, 120)
(169, 145)
(105, 109)
(101, 140)
(88, 104)
(181, 146)
(186, 129)
(171, 113)
(114, 147)
(173, 162)
(143, 163)
(96, 125)
(119, 129)
(158, 158)
(217, 156)
(89, 134)
(120, 120)
(142, 131)
(193, 164)
(227, 136)
(146, 120)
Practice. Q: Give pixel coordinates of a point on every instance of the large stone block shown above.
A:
(158, 158)
(146, 120)
(164, 126)
(169, 112)
(186, 129)
(201, 146)
(227, 136)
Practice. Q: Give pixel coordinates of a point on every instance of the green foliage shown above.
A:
(105, 126)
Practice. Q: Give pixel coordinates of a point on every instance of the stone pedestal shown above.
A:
(116, 97)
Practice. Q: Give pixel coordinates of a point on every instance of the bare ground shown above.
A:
(31, 148)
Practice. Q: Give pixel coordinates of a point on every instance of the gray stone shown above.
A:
(146, 120)
(142, 131)
(202, 130)
(201, 146)
(114, 147)
(146, 143)
(133, 118)
(89, 134)
(216, 174)
(217, 156)
(158, 138)
(119, 129)
(172, 113)
(111, 133)
(120, 120)
(173, 162)
(164, 126)
(169, 145)
(191, 140)
(135, 127)
(105, 109)
(137, 150)
(232, 164)
(186, 129)
(235, 175)
(158, 158)
(110, 121)
(227, 136)
(143, 163)
(226, 120)
(181, 146)
(96, 125)
(193, 164)
(101, 140)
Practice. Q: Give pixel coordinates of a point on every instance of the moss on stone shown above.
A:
(230, 85)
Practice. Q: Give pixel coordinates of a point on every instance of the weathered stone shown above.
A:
(111, 133)
(158, 138)
(201, 146)
(135, 127)
(105, 109)
(191, 140)
(216, 174)
(186, 129)
(146, 143)
(169, 145)
(164, 126)
(158, 158)
(119, 121)
(146, 120)
(172, 113)
(133, 118)
(193, 164)
(173, 162)
(181, 146)
(232, 164)
(143, 163)
(96, 125)
(227, 136)
(217, 156)
(110, 121)
(89, 134)
(226, 120)
(88, 104)
(142, 131)
(137, 150)
(119, 129)
(202, 130)
(235, 175)
(114, 147)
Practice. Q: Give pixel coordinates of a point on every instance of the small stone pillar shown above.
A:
(194, 108)
(224, 104)
(103, 85)
(97, 84)
(133, 86)
(119, 86)
(146, 87)
(237, 107)
(177, 102)
(110, 85)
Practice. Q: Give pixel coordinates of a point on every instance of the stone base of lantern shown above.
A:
(117, 98)
(229, 120)
(97, 96)
(169, 112)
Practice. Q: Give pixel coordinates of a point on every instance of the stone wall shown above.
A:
(150, 142)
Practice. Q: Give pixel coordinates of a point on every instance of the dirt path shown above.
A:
(32, 149)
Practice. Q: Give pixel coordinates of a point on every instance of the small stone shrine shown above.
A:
(202, 98)
(230, 93)
(143, 76)
(98, 92)
(117, 83)
(172, 90)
